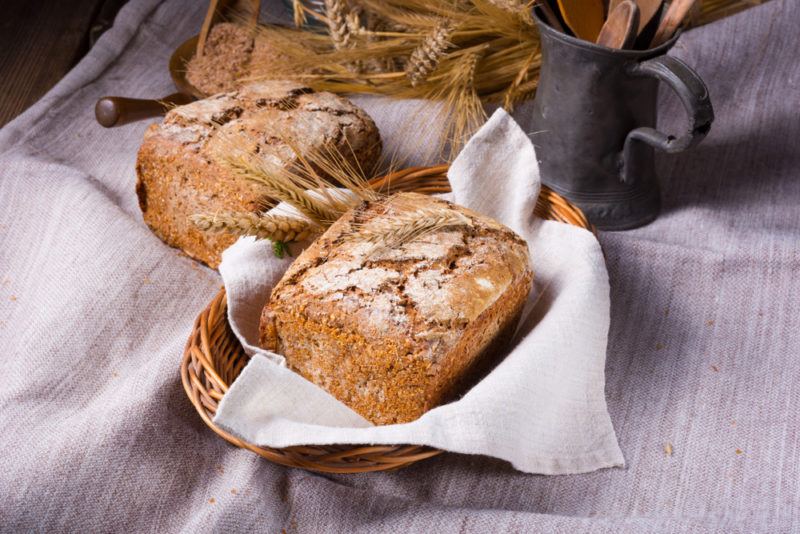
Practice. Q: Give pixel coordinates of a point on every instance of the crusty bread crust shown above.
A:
(394, 333)
(178, 173)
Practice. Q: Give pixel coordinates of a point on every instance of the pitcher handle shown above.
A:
(692, 92)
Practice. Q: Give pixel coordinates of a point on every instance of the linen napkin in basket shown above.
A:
(542, 408)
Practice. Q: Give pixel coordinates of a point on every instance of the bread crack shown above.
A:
(337, 112)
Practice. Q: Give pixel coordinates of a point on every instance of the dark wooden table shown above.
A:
(40, 41)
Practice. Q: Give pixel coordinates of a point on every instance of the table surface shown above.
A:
(41, 41)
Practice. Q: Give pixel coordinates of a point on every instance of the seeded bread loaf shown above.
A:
(179, 174)
(394, 332)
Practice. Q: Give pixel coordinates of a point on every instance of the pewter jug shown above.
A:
(594, 121)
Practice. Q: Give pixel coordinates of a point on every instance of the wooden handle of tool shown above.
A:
(673, 18)
(113, 111)
(619, 30)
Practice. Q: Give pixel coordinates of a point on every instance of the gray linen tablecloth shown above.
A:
(96, 433)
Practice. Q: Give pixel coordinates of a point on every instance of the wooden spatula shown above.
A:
(647, 10)
(621, 27)
(672, 19)
(584, 17)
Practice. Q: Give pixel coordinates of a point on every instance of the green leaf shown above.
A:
(280, 249)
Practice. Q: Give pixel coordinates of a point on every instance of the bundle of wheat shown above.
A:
(463, 53)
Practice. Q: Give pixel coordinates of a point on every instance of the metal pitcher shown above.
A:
(594, 120)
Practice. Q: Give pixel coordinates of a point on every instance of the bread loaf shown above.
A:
(225, 59)
(394, 332)
(232, 53)
(179, 174)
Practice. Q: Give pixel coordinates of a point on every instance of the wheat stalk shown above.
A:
(280, 184)
(272, 227)
(353, 21)
(508, 5)
(425, 58)
(521, 8)
(299, 13)
(462, 112)
(407, 225)
(336, 13)
(376, 25)
(345, 172)
(321, 182)
(513, 94)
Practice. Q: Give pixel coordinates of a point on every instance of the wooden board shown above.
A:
(41, 40)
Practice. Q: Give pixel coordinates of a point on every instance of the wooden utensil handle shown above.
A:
(621, 26)
(113, 111)
(673, 18)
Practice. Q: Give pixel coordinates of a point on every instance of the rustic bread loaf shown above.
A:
(232, 53)
(179, 174)
(394, 332)
(225, 60)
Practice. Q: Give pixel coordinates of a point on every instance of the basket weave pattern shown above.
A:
(213, 357)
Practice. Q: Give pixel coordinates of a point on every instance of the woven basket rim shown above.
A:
(213, 357)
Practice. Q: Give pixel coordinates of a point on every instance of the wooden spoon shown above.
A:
(647, 10)
(673, 18)
(621, 27)
(584, 17)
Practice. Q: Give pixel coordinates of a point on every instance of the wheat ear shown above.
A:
(408, 226)
(272, 227)
(425, 58)
(336, 13)
(299, 13)
(281, 184)
(519, 8)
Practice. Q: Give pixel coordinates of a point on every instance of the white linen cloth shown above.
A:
(542, 408)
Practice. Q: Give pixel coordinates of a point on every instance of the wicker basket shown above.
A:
(213, 357)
